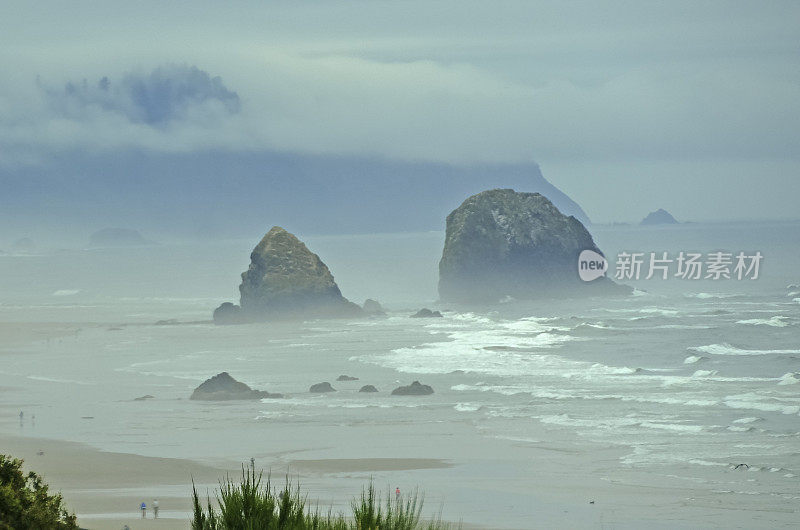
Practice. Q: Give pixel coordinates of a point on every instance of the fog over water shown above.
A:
(686, 378)
(146, 148)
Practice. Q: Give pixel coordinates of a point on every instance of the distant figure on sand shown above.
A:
(21, 418)
(155, 508)
(144, 510)
(397, 494)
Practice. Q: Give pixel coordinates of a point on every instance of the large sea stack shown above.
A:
(285, 280)
(500, 244)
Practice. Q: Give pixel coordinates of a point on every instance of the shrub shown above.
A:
(255, 505)
(25, 501)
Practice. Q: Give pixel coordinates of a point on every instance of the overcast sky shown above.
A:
(692, 106)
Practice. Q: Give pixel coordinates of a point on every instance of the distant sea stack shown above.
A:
(414, 389)
(500, 244)
(373, 308)
(117, 237)
(659, 217)
(24, 244)
(223, 387)
(285, 280)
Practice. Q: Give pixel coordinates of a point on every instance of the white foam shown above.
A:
(66, 292)
(687, 401)
(659, 311)
(466, 407)
(700, 462)
(757, 402)
(603, 423)
(777, 321)
(692, 359)
(58, 380)
(791, 378)
(680, 326)
(727, 349)
(511, 390)
(675, 427)
(504, 348)
(707, 296)
(646, 311)
(748, 419)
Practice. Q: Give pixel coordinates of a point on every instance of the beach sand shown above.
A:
(106, 488)
(97, 484)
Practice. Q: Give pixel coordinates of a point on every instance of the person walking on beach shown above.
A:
(397, 494)
(144, 510)
(155, 508)
(21, 418)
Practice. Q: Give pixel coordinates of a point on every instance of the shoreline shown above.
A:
(104, 489)
(550, 477)
(96, 483)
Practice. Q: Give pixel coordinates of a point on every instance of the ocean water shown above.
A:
(687, 378)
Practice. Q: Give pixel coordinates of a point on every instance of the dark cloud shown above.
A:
(166, 94)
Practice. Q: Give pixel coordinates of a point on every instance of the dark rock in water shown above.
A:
(117, 237)
(373, 307)
(368, 388)
(426, 313)
(223, 387)
(143, 398)
(285, 280)
(321, 387)
(24, 244)
(659, 217)
(227, 313)
(414, 389)
(501, 244)
(346, 378)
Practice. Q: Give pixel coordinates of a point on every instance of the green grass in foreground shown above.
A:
(255, 505)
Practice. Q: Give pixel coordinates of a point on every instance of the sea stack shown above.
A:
(659, 217)
(501, 244)
(117, 237)
(223, 387)
(285, 280)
